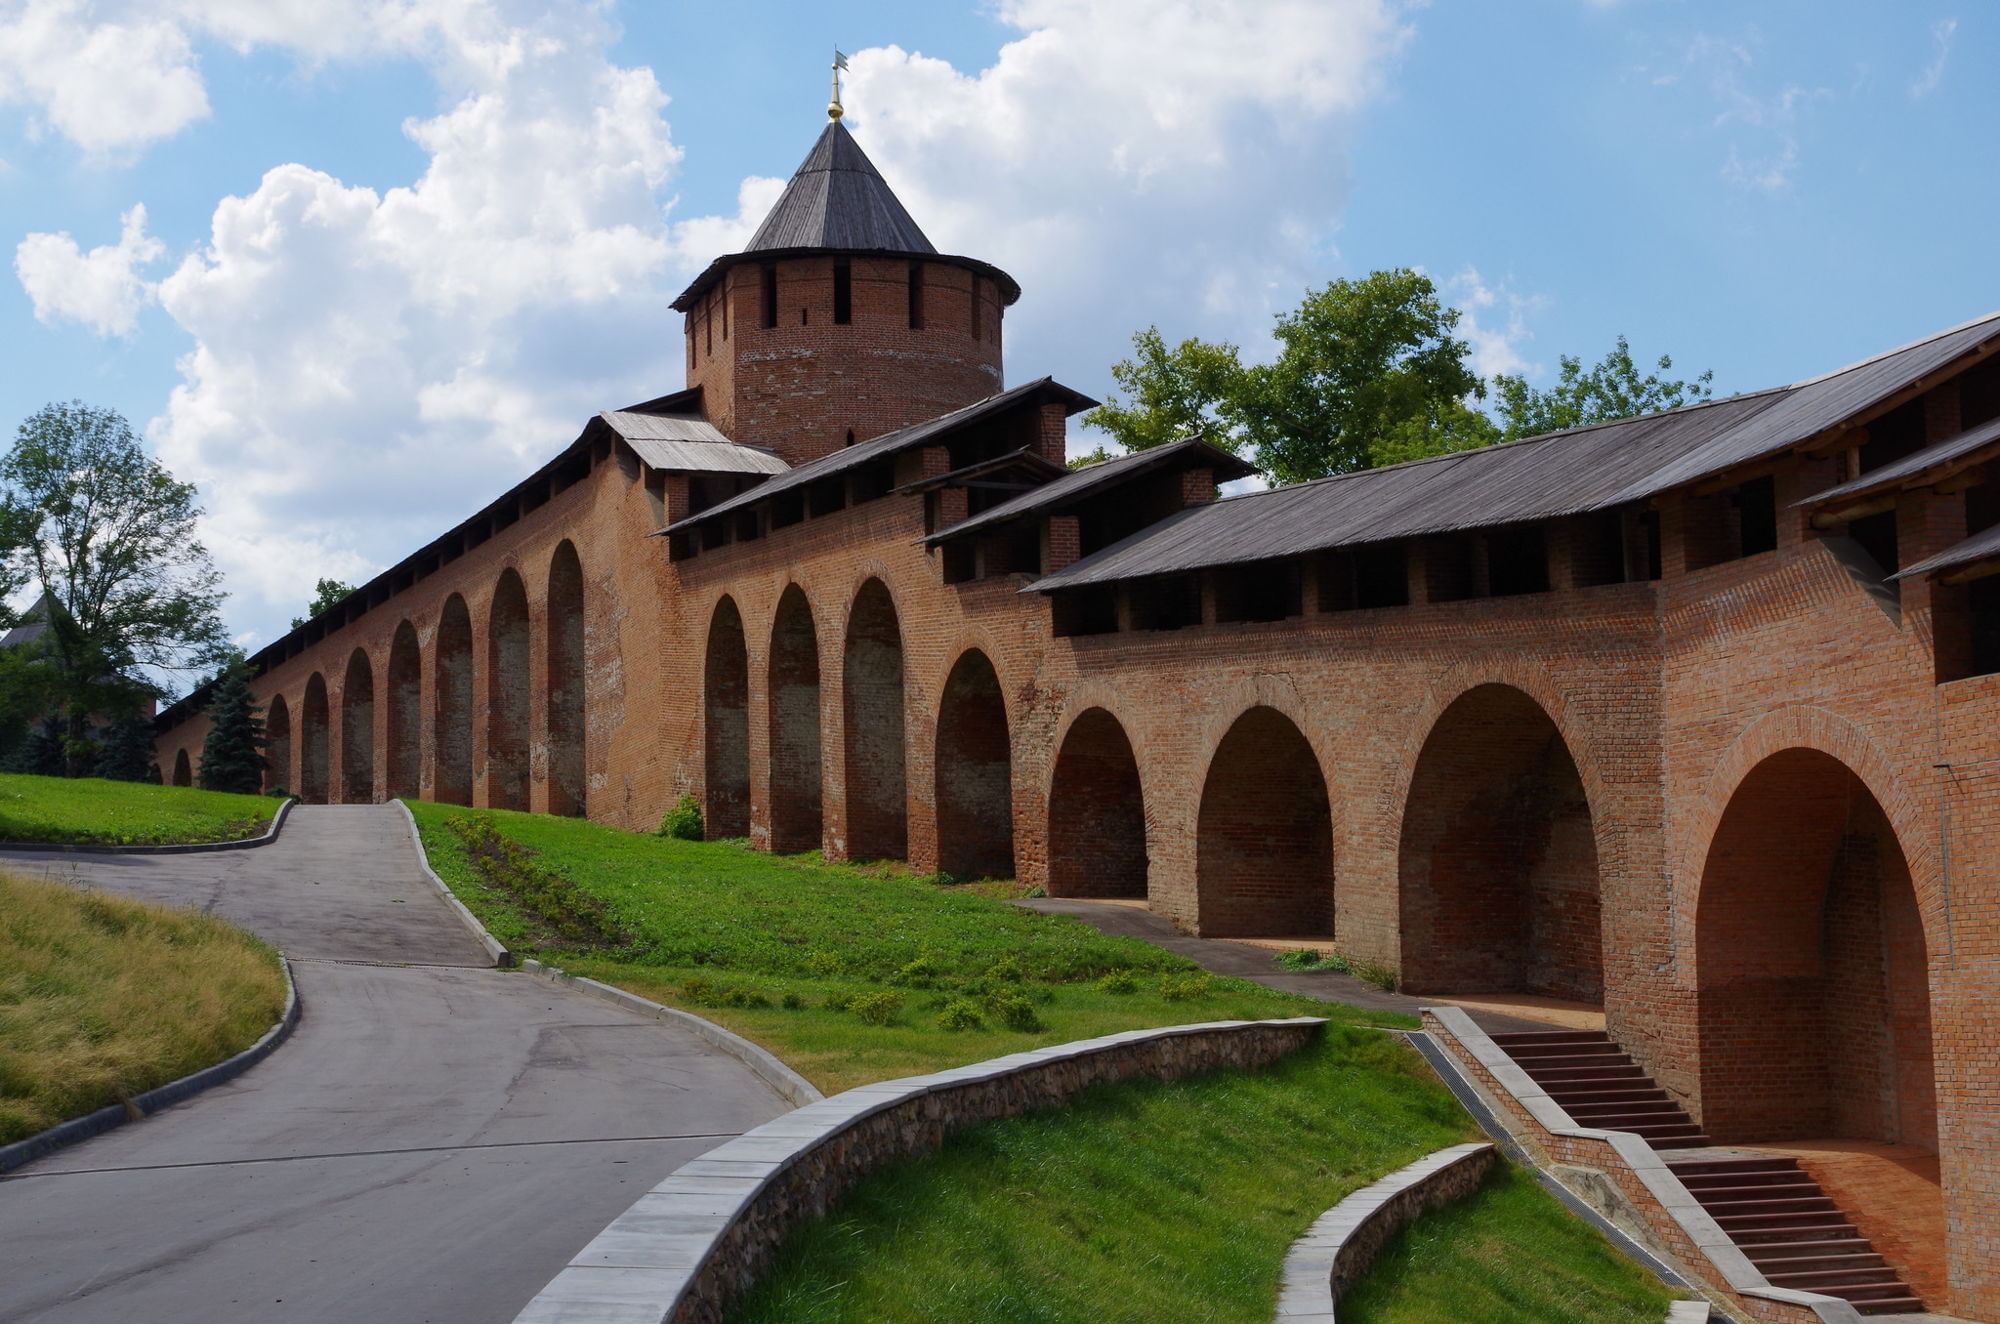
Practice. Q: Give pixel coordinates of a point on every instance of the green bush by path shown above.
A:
(102, 998)
(846, 972)
(90, 811)
(1509, 1252)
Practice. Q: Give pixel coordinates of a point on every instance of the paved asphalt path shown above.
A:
(433, 1143)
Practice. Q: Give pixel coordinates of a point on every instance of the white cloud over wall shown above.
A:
(369, 367)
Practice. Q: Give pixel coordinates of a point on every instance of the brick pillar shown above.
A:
(951, 506)
(1053, 439)
(935, 462)
(1927, 523)
(1062, 542)
(678, 497)
(1197, 487)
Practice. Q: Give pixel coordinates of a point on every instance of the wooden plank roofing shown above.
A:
(1566, 473)
(1927, 464)
(1092, 480)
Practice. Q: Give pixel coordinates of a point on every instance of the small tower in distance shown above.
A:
(839, 320)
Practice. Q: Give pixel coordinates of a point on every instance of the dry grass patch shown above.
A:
(103, 998)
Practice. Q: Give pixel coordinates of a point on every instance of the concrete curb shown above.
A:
(687, 1248)
(78, 1129)
(502, 958)
(789, 1084)
(1638, 1156)
(1342, 1242)
(269, 835)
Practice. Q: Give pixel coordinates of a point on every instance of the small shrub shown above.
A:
(1014, 1011)
(1383, 977)
(1184, 988)
(876, 1008)
(683, 821)
(1306, 959)
(959, 1014)
(698, 991)
(920, 973)
(1006, 970)
(793, 1002)
(822, 963)
(1034, 893)
(279, 793)
(569, 915)
(838, 1001)
(1119, 981)
(744, 997)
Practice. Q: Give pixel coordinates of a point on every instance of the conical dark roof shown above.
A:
(838, 199)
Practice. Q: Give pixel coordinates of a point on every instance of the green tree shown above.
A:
(109, 535)
(1610, 389)
(1173, 392)
(126, 752)
(325, 594)
(232, 755)
(1368, 372)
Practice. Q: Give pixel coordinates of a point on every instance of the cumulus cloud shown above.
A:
(1493, 320)
(103, 288)
(1761, 123)
(108, 83)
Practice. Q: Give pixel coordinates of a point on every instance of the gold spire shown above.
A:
(833, 110)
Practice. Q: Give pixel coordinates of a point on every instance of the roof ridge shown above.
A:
(1966, 325)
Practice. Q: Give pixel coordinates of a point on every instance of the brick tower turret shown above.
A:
(839, 321)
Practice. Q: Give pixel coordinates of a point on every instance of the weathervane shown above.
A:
(833, 111)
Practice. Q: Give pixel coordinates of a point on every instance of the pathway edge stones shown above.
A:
(789, 1084)
(79, 1129)
(1342, 1242)
(265, 838)
(695, 1243)
(502, 958)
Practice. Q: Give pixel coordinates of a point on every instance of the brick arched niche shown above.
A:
(315, 743)
(404, 697)
(1811, 969)
(1264, 839)
(508, 694)
(1097, 812)
(183, 770)
(451, 718)
(1499, 885)
(566, 682)
(726, 725)
(872, 707)
(357, 731)
(793, 714)
(278, 745)
(974, 773)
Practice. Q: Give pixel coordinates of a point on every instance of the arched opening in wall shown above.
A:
(451, 719)
(406, 721)
(183, 769)
(974, 768)
(794, 722)
(1498, 858)
(566, 682)
(1097, 814)
(872, 698)
(1811, 970)
(278, 745)
(1264, 839)
(507, 695)
(357, 731)
(725, 685)
(315, 744)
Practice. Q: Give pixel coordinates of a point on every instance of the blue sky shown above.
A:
(391, 259)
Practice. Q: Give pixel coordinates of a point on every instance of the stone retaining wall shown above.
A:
(693, 1245)
(1344, 1241)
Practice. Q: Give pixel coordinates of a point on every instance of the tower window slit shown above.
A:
(843, 294)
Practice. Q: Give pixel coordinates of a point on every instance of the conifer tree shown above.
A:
(232, 758)
(127, 752)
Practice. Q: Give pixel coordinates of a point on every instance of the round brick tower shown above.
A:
(839, 321)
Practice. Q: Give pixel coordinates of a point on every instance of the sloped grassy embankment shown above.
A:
(91, 811)
(103, 998)
(1142, 1201)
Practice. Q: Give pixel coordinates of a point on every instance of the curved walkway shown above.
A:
(434, 1143)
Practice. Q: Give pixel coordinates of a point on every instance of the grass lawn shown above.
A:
(1143, 1201)
(1509, 1252)
(103, 998)
(87, 810)
(843, 971)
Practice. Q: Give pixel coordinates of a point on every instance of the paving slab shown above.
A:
(435, 1142)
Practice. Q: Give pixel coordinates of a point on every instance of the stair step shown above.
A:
(1817, 1224)
(1635, 1079)
(1570, 1057)
(1513, 1038)
(1896, 1305)
(1877, 1276)
(1859, 1292)
(1774, 1191)
(1657, 1108)
(1709, 1166)
(1773, 1236)
(1745, 1181)
(1774, 1265)
(1569, 1097)
(1798, 1204)
(1780, 1252)
(1548, 1076)
(1540, 1053)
